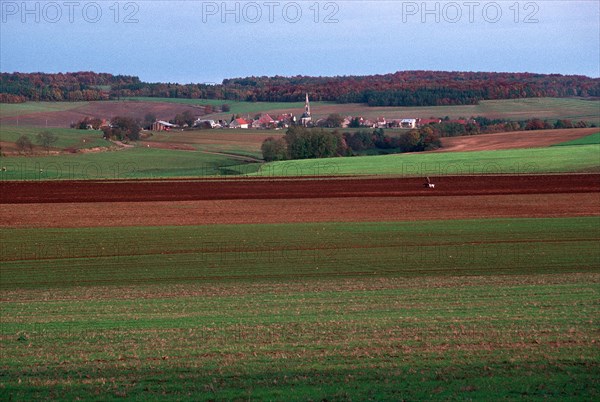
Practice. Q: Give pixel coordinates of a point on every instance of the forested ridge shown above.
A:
(403, 88)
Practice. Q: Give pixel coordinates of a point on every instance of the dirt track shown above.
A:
(194, 190)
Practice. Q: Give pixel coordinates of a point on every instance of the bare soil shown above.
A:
(200, 202)
(512, 140)
(290, 188)
(102, 110)
(354, 209)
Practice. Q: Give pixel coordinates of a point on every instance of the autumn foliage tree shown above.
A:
(402, 88)
(88, 122)
(122, 128)
(24, 144)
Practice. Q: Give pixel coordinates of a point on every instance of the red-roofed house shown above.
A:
(239, 123)
(265, 121)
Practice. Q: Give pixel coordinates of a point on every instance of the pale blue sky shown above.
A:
(200, 41)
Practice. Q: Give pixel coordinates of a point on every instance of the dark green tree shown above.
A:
(274, 149)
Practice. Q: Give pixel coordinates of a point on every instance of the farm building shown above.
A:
(161, 125)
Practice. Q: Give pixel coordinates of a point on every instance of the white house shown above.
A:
(207, 123)
(408, 123)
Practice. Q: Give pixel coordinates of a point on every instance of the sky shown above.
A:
(208, 41)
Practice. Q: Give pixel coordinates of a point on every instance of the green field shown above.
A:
(130, 163)
(67, 137)
(471, 309)
(141, 162)
(206, 253)
(16, 109)
(582, 158)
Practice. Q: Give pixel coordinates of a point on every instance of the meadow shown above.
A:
(128, 163)
(481, 309)
(67, 137)
(16, 109)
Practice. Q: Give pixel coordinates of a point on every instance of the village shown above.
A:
(264, 121)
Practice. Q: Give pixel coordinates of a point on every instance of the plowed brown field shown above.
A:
(513, 140)
(206, 189)
(353, 209)
(102, 110)
(241, 201)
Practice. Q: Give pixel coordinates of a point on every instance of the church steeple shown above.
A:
(305, 119)
(307, 107)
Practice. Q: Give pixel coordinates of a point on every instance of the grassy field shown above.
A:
(139, 162)
(518, 161)
(16, 109)
(67, 137)
(130, 163)
(71, 257)
(475, 309)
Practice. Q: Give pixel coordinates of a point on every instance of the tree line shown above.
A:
(45, 139)
(309, 143)
(403, 88)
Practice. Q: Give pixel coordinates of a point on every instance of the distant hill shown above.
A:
(403, 88)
